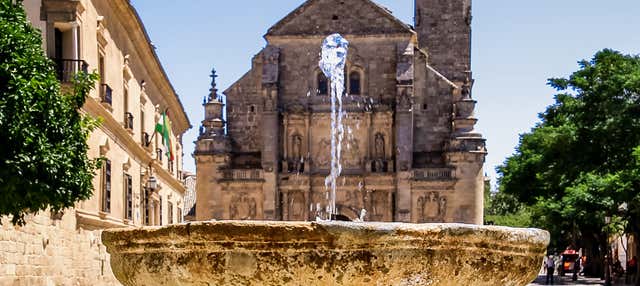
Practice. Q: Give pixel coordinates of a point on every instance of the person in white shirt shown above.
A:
(551, 265)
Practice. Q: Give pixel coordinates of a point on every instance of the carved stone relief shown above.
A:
(242, 207)
(404, 100)
(377, 204)
(432, 207)
(323, 155)
(296, 205)
(351, 155)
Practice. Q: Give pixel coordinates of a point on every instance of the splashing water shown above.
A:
(332, 61)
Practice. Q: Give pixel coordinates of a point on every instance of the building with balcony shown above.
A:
(410, 152)
(137, 185)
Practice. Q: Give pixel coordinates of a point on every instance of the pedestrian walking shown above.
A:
(551, 265)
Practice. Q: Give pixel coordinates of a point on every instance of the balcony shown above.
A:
(128, 121)
(430, 174)
(243, 175)
(106, 94)
(144, 140)
(66, 69)
(159, 155)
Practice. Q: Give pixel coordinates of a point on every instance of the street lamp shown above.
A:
(152, 183)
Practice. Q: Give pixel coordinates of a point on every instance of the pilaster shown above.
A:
(270, 130)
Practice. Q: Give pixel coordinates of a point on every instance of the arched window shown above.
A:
(354, 83)
(323, 84)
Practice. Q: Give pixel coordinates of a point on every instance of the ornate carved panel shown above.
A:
(242, 207)
(296, 205)
(432, 207)
(377, 205)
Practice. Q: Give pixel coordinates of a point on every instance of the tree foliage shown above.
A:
(580, 163)
(43, 149)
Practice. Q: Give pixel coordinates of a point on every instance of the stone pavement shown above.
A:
(566, 280)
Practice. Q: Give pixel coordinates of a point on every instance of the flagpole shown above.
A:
(154, 131)
(150, 138)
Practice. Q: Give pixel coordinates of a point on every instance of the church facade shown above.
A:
(410, 152)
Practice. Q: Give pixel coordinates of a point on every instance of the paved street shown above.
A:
(566, 280)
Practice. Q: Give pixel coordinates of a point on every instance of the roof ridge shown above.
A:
(302, 8)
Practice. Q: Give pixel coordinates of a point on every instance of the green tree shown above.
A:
(504, 209)
(43, 149)
(580, 164)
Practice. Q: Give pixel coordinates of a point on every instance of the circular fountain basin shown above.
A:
(325, 253)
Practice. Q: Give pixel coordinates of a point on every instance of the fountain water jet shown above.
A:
(332, 62)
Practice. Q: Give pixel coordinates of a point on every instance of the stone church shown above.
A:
(410, 153)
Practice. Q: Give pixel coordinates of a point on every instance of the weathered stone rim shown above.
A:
(269, 236)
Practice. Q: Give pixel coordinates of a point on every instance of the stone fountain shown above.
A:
(326, 252)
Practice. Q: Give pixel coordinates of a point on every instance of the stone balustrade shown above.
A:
(243, 174)
(434, 174)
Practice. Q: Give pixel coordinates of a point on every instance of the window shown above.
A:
(128, 197)
(179, 219)
(125, 97)
(106, 186)
(101, 66)
(170, 212)
(354, 83)
(128, 116)
(159, 155)
(160, 220)
(145, 206)
(323, 84)
(144, 139)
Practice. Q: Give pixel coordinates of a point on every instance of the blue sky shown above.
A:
(517, 46)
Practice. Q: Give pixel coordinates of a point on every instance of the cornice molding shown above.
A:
(168, 97)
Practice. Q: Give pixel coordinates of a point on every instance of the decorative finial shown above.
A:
(213, 92)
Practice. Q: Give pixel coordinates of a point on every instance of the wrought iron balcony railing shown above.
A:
(106, 94)
(128, 120)
(66, 69)
(145, 139)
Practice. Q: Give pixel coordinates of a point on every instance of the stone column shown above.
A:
(270, 147)
(404, 152)
(75, 32)
(270, 131)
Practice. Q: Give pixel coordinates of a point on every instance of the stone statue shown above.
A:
(379, 153)
(379, 148)
(404, 101)
(296, 151)
(323, 156)
(296, 206)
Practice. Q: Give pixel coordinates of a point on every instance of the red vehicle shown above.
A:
(567, 264)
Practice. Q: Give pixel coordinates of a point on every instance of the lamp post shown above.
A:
(152, 183)
(607, 256)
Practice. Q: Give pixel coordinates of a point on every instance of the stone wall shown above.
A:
(51, 252)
